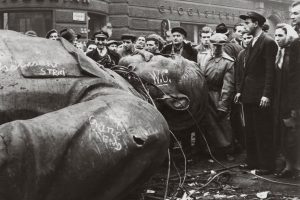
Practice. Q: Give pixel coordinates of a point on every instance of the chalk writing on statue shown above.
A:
(110, 136)
(160, 77)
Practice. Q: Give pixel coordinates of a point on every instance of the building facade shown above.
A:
(134, 16)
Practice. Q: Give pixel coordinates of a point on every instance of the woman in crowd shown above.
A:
(285, 136)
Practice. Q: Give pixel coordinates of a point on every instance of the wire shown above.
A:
(206, 184)
(184, 157)
(168, 176)
(270, 180)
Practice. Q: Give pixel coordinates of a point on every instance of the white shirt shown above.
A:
(256, 38)
(103, 52)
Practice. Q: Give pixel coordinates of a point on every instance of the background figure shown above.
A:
(140, 42)
(238, 30)
(90, 46)
(294, 77)
(231, 48)
(152, 45)
(204, 48)
(112, 45)
(178, 45)
(219, 74)
(127, 47)
(52, 34)
(256, 93)
(237, 119)
(108, 28)
(284, 135)
(102, 54)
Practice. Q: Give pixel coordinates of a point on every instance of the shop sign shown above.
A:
(79, 16)
(52, 1)
(196, 12)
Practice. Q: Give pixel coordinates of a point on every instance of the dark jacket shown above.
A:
(239, 69)
(232, 49)
(258, 78)
(188, 51)
(294, 75)
(110, 59)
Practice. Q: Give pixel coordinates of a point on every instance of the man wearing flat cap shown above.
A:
(128, 41)
(112, 45)
(219, 75)
(255, 91)
(179, 46)
(102, 54)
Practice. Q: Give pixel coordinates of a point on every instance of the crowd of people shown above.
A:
(253, 79)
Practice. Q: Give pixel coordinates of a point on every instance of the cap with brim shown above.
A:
(128, 37)
(100, 34)
(179, 30)
(50, 32)
(218, 39)
(110, 42)
(261, 19)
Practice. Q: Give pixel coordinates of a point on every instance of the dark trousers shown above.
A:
(259, 137)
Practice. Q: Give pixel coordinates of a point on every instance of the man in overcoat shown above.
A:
(179, 46)
(256, 92)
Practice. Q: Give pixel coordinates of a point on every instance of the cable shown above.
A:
(184, 157)
(270, 180)
(168, 176)
(206, 184)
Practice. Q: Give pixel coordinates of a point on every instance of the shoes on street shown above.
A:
(247, 167)
(261, 172)
(287, 174)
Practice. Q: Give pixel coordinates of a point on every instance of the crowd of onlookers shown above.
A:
(253, 79)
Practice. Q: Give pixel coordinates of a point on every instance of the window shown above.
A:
(40, 22)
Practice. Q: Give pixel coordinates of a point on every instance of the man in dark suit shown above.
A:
(256, 92)
(102, 54)
(179, 46)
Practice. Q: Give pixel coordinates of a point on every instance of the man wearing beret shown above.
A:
(102, 54)
(178, 45)
(255, 91)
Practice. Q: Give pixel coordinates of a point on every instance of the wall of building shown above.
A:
(145, 16)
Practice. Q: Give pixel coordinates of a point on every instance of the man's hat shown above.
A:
(128, 37)
(179, 30)
(110, 42)
(218, 39)
(31, 33)
(100, 34)
(50, 32)
(222, 28)
(261, 19)
(68, 34)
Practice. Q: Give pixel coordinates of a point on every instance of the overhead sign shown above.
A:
(79, 16)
